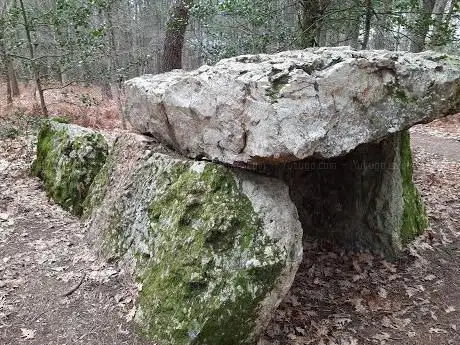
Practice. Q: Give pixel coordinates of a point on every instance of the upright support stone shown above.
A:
(68, 159)
(365, 200)
(214, 249)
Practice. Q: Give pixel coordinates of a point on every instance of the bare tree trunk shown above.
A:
(382, 39)
(439, 16)
(59, 76)
(175, 34)
(4, 56)
(311, 23)
(114, 76)
(9, 96)
(35, 71)
(113, 63)
(308, 23)
(353, 25)
(421, 25)
(367, 23)
(106, 90)
(13, 79)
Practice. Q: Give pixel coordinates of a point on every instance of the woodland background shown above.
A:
(70, 57)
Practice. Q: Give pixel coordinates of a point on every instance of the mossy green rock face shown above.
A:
(414, 220)
(214, 249)
(68, 159)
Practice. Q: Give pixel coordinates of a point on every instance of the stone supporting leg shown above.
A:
(365, 200)
(215, 249)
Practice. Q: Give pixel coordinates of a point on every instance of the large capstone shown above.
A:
(365, 200)
(214, 249)
(293, 105)
(68, 159)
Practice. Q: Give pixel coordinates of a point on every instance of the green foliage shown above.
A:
(60, 119)
(64, 35)
(416, 19)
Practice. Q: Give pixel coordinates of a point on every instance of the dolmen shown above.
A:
(232, 165)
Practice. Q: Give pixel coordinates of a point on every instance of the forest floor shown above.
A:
(55, 291)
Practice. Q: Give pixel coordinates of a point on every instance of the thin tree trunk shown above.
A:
(312, 32)
(450, 11)
(382, 39)
(4, 56)
(421, 25)
(439, 16)
(113, 64)
(114, 68)
(106, 90)
(13, 79)
(59, 76)
(353, 25)
(175, 34)
(35, 71)
(367, 24)
(9, 96)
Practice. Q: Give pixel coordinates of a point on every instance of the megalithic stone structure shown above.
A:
(208, 207)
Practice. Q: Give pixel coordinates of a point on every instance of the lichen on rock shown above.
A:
(215, 250)
(68, 159)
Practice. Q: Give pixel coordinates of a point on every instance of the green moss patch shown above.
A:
(68, 159)
(276, 85)
(214, 249)
(401, 95)
(414, 216)
(212, 263)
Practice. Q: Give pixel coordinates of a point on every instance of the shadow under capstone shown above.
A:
(364, 200)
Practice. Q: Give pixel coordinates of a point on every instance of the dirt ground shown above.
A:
(54, 290)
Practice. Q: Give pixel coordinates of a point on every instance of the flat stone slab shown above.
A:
(293, 105)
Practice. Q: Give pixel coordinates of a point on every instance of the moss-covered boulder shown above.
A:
(214, 249)
(68, 159)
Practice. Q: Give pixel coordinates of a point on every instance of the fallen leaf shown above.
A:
(386, 322)
(436, 330)
(449, 309)
(28, 333)
(381, 336)
(130, 315)
(430, 277)
(383, 293)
